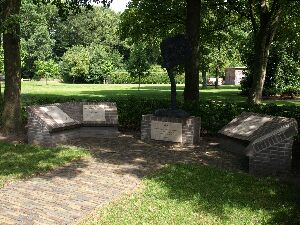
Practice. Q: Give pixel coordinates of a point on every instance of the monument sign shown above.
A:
(94, 113)
(166, 131)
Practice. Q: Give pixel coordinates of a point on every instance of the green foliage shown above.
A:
(45, 35)
(155, 75)
(21, 161)
(98, 26)
(36, 41)
(91, 64)
(197, 194)
(138, 63)
(103, 62)
(75, 64)
(150, 21)
(46, 69)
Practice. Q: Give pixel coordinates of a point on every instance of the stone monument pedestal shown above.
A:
(180, 130)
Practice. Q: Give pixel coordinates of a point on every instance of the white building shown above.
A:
(234, 75)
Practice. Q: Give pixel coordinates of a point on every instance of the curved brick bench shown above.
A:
(49, 125)
(266, 140)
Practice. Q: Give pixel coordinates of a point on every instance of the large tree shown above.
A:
(265, 23)
(265, 17)
(152, 21)
(10, 26)
(193, 18)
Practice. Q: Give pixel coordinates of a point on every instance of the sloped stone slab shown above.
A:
(266, 140)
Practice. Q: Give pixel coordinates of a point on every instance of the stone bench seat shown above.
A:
(49, 125)
(266, 140)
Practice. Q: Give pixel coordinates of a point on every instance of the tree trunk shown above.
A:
(12, 122)
(191, 89)
(139, 81)
(217, 76)
(263, 39)
(204, 79)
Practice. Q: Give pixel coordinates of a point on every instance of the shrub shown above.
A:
(46, 69)
(291, 91)
(156, 75)
(92, 64)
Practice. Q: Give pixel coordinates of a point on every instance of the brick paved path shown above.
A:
(67, 194)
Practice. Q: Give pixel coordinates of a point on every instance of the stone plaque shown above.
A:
(94, 113)
(57, 114)
(248, 126)
(166, 131)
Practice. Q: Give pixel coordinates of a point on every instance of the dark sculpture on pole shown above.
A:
(175, 51)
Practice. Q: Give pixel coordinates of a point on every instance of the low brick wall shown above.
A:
(190, 127)
(44, 130)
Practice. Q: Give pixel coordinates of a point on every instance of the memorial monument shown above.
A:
(58, 123)
(266, 140)
(172, 124)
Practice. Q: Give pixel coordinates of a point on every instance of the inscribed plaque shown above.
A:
(57, 114)
(166, 131)
(94, 113)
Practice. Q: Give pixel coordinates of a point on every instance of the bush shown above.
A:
(156, 75)
(214, 114)
(291, 91)
(91, 64)
(46, 69)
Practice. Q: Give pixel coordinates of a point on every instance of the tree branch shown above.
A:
(251, 15)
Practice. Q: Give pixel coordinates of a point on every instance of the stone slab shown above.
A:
(56, 114)
(166, 131)
(93, 113)
(251, 126)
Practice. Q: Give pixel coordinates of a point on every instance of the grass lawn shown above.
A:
(21, 161)
(91, 91)
(195, 194)
(96, 91)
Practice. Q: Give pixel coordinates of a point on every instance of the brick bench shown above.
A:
(266, 140)
(49, 125)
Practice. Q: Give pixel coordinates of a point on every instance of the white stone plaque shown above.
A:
(57, 114)
(248, 126)
(166, 131)
(94, 113)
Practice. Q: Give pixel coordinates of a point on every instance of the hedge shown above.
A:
(214, 114)
(154, 77)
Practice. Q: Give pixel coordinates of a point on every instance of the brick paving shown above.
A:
(68, 194)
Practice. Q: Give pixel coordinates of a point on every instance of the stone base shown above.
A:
(187, 129)
(274, 160)
(60, 137)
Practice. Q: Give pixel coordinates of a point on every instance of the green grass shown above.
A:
(95, 91)
(92, 91)
(21, 161)
(194, 194)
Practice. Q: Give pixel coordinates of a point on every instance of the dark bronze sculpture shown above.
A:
(175, 51)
